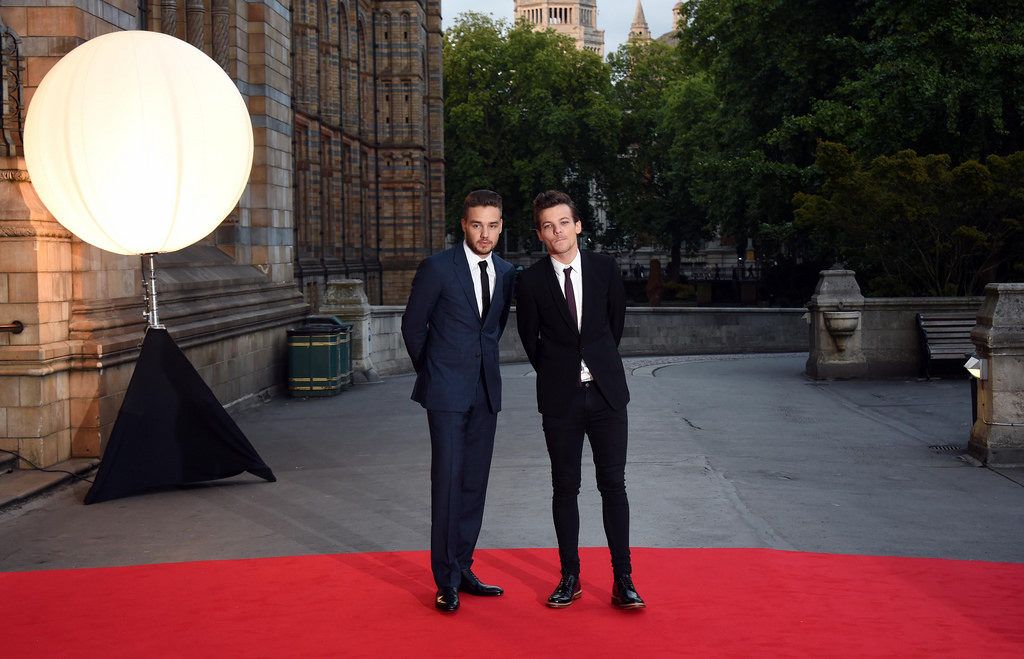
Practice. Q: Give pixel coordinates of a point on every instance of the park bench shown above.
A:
(945, 336)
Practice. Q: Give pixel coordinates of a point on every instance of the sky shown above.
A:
(613, 16)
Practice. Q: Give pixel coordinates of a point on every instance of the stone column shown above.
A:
(220, 12)
(997, 438)
(169, 17)
(836, 336)
(195, 19)
(35, 289)
(346, 299)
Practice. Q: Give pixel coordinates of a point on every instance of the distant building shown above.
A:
(678, 17)
(575, 19)
(639, 30)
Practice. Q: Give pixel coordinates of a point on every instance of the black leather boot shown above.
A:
(624, 594)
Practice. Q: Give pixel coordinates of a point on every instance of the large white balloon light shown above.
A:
(138, 143)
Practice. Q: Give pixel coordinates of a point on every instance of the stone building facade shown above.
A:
(369, 143)
(347, 180)
(575, 19)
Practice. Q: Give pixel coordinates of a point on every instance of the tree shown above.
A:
(525, 111)
(936, 77)
(916, 225)
(769, 62)
(665, 140)
(881, 76)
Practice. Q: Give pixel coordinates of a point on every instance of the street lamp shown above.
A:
(138, 143)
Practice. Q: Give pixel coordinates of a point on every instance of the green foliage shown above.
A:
(666, 136)
(525, 111)
(917, 225)
(881, 76)
(769, 62)
(937, 77)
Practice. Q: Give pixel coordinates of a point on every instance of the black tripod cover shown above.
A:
(171, 430)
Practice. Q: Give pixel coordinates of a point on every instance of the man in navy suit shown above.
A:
(456, 313)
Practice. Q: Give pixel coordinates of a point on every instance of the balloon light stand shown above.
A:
(171, 430)
(158, 153)
(149, 291)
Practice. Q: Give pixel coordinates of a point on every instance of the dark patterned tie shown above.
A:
(485, 288)
(570, 297)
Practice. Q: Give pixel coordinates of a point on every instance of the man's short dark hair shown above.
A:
(550, 199)
(478, 198)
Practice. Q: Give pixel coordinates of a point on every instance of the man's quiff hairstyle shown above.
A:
(550, 199)
(478, 198)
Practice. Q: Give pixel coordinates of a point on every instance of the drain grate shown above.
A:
(949, 449)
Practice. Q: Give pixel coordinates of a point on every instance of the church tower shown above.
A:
(639, 30)
(575, 19)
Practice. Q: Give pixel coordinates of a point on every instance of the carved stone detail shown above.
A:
(220, 14)
(33, 232)
(11, 73)
(195, 15)
(169, 17)
(15, 175)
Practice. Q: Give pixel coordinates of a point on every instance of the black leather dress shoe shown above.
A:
(624, 594)
(567, 592)
(470, 584)
(447, 600)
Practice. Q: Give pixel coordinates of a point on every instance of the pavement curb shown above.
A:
(21, 485)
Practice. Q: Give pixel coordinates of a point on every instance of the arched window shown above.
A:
(343, 66)
(386, 44)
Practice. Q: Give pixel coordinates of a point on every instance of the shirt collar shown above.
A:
(475, 258)
(575, 264)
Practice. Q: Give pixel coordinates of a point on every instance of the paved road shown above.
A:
(724, 452)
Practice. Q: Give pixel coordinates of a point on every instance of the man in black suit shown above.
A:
(456, 313)
(571, 307)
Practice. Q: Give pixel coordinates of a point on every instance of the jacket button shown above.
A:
(478, 355)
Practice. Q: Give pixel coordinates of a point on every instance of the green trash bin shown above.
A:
(319, 357)
(344, 348)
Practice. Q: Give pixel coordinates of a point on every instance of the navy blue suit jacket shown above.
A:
(447, 340)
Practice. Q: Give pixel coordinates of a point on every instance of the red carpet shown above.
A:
(702, 602)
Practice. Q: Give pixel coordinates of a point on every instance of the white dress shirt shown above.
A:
(474, 274)
(576, 276)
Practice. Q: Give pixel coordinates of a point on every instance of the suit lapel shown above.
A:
(462, 274)
(558, 295)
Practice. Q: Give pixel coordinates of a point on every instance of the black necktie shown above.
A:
(570, 297)
(485, 288)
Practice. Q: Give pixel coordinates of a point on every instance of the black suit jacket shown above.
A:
(552, 341)
(446, 339)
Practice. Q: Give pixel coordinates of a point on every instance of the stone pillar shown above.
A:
(346, 299)
(195, 19)
(220, 12)
(35, 289)
(169, 17)
(836, 336)
(997, 438)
